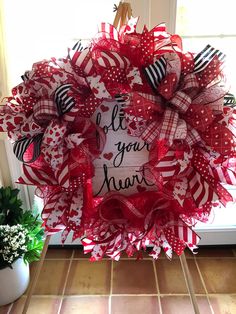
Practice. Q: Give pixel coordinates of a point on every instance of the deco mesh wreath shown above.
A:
(174, 102)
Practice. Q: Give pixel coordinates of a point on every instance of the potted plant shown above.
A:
(21, 242)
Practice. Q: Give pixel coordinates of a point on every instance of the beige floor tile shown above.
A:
(59, 253)
(218, 274)
(183, 305)
(38, 305)
(223, 304)
(133, 277)
(52, 277)
(171, 279)
(85, 305)
(170, 276)
(89, 278)
(134, 304)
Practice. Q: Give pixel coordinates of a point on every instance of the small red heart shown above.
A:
(73, 213)
(108, 156)
(34, 126)
(104, 108)
(25, 127)
(141, 188)
(10, 126)
(18, 120)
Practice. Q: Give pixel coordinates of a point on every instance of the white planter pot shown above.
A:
(13, 282)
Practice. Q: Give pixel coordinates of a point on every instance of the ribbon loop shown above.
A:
(203, 58)
(181, 101)
(45, 110)
(21, 146)
(63, 101)
(156, 72)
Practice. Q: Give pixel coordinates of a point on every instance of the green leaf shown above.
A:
(13, 200)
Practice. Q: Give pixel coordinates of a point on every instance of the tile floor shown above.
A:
(70, 284)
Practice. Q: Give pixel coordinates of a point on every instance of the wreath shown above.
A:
(176, 102)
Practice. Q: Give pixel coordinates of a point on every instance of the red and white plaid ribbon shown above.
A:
(169, 125)
(45, 110)
(181, 101)
(151, 132)
(190, 81)
(193, 136)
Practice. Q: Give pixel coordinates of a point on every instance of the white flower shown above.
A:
(13, 242)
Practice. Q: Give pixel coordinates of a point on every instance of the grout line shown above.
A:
(181, 294)
(58, 259)
(204, 285)
(157, 286)
(130, 295)
(111, 288)
(215, 257)
(66, 279)
(135, 295)
(222, 294)
(69, 296)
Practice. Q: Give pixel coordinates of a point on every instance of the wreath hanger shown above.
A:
(123, 14)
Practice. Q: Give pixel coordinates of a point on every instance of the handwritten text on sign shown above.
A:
(118, 167)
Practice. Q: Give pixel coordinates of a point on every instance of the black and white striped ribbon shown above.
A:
(156, 72)
(63, 102)
(25, 76)
(204, 57)
(122, 100)
(229, 100)
(78, 46)
(22, 145)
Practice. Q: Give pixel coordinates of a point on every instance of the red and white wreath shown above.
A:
(174, 101)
